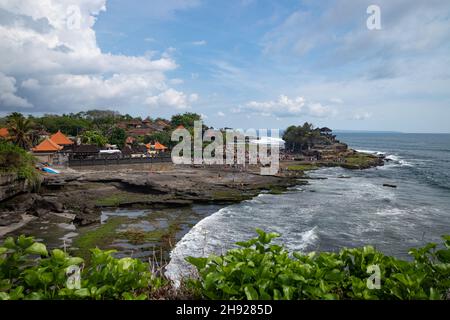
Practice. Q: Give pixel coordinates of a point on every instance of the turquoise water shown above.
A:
(353, 211)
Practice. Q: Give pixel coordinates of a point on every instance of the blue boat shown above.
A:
(50, 170)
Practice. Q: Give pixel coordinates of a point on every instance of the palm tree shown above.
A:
(19, 129)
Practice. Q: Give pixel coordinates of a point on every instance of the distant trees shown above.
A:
(186, 119)
(71, 125)
(118, 137)
(163, 137)
(94, 137)
(97, 127)
(299, 138)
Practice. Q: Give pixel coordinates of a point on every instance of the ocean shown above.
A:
(343, 208)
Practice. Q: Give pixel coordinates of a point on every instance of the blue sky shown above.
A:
(239, 63)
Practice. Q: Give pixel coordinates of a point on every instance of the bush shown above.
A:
(14, 159)
(29, 271)
(256, 270)
(261, 270)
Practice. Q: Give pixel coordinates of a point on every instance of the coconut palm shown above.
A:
(19, 129)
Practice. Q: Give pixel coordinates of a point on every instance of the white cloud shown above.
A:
(337, 100)
(361, 115)
(221, 114)
(8, 95)
(199, 43)
(32, 84)
(176, 81)
(193, 97)
(172, 99)
(59, 63)
(286, 107)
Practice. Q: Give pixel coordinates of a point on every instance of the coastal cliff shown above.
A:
(11, 185)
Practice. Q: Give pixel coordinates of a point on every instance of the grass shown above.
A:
(359, 160)
(303, 167)
(98, 237)
(117, 199)
(231, 195)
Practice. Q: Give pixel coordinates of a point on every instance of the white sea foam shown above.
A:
(308, 238)
(379, 153)
(390, 212)
(211, 236)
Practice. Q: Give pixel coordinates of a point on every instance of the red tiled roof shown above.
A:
(4, 132)
(156, 146)
(159, 146)
(61, 139)
(47, 146)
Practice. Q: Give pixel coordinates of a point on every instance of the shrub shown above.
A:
(262, 270)
(14, 159)
(29, 271)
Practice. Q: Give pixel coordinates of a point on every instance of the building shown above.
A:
(53, 150)
(136, 151)
(156, 148)
(84, 151)
(4, 133)
(60, 139)
(46, 151)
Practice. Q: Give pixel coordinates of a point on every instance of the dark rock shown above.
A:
(7, 218)
(50, 204)
(11, 185)
(389, 185)
(39, 212)
(24, 202)
(87, 216)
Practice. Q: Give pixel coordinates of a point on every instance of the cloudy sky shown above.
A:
(239, 63)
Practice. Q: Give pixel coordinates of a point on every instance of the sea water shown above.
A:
(344, 209)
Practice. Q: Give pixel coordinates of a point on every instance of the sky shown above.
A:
(238, 63)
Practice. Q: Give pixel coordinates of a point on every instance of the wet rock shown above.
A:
(24, 202)
(87, 216)
(39, 212)
(8, 218)
(11, 185)
(49, 204)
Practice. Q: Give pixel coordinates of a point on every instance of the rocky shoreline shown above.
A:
(81, 195)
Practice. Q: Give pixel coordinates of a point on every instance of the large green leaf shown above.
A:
(37, 248)
(250, 293)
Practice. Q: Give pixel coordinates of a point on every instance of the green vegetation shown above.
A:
(163, 137)
(14, 159)
(94, 137)
(19, 130)
(117, 199)
(98, 236)
(258, 269)
(186, 120)
(97, 127)
(230, 195)
(303, 167)
(29, 271)
(117, 137)
(359, 161)
(262, 270)
(304, 137)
